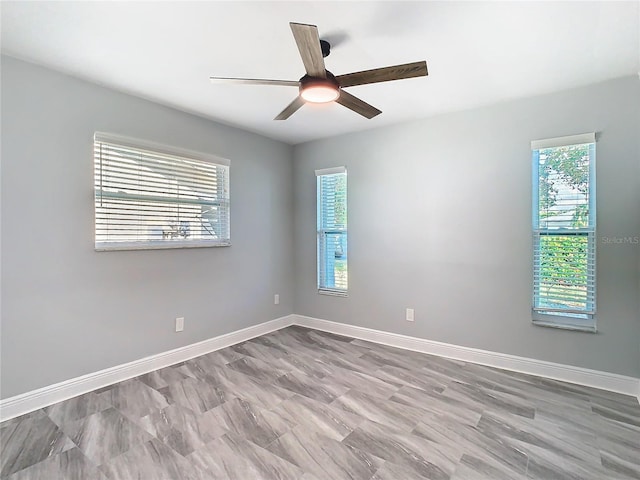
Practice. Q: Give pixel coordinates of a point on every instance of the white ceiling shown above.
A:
(477, 53)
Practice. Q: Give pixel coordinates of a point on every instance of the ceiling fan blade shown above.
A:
(357, 105)
(256, 81)
(385, 74)
(308, 42)
(290, 109)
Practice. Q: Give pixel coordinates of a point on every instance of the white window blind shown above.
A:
(153, 196)
(564, 223)
(332, 230)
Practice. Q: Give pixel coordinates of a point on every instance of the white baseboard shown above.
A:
(567, 373)
(27, 402)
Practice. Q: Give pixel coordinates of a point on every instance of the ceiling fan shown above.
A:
(320, 85)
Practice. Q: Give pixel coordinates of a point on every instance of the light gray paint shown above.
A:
(68, 310)
(440, 221)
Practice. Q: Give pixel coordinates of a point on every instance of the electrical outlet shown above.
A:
(179, 324)
(276, 299)
(409, 314)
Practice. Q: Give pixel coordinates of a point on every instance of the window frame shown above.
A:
(581, 320)
(152, 149)
(322, 232)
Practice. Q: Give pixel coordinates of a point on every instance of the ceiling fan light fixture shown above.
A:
(320, 93)
(319, 90)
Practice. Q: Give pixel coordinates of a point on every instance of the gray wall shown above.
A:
(440, 221)
(68, 310)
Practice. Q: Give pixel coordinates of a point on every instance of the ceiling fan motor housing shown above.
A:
(325, 47)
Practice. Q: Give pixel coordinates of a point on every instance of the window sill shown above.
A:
(332, 293)
(161, 245)
(564, 324)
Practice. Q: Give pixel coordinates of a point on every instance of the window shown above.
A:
(332, 230)
(564, 223)
(151, 196)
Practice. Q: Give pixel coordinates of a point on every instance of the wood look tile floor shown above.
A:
(308, 405)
